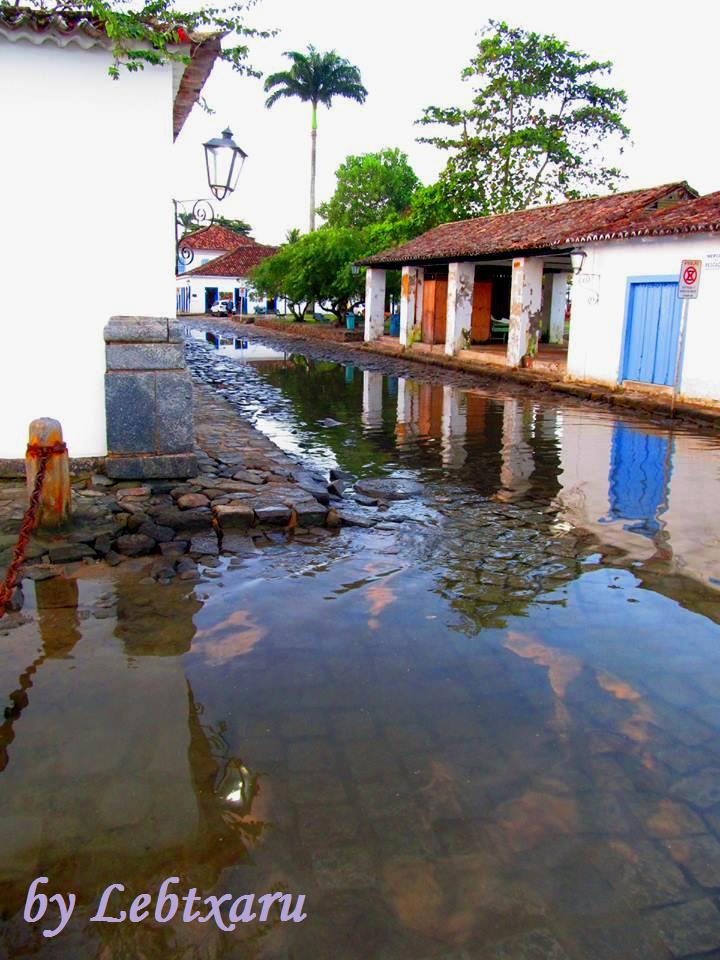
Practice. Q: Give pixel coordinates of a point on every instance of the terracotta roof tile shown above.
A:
(539, 228)
(236, 263)
(701, 215)
(216, 238)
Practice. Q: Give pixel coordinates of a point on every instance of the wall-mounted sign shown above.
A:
(712, 261)
(689, 284)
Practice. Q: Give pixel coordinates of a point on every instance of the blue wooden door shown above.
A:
(652, 332)
(639, 478)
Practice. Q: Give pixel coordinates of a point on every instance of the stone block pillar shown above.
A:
(411, 300)
(148, 400)
(557, 307)
(525, 305)
(375, 281)
(461, 284)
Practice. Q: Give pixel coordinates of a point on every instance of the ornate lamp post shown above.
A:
(224, 160)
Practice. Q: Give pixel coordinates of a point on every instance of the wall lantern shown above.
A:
(355, 269)
(224, 160)
(577, 258)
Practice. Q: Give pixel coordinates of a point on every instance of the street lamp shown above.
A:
(224, 160)
(577, 259)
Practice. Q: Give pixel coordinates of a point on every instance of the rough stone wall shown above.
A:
(148, 399)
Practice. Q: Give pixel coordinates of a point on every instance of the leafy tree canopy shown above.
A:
(370, 187)
(316, 268)
(539, 116)
(154, 32)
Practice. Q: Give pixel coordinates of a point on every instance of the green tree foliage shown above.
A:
(539, 117)
(315, 78)
(190, 224)
(154, 32)
(370, 187)
(317, 268)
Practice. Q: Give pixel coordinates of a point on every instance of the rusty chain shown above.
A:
(42, 454)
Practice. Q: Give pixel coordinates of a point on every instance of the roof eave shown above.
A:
(202, 59)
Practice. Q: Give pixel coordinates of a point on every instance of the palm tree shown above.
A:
(317, 78)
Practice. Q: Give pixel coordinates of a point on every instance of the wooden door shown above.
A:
(480, 323)
(428, 314)
(441, 293)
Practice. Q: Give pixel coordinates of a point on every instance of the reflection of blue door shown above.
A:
(652, 328)
(639, 477)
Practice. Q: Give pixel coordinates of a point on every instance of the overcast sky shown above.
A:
(410, 53)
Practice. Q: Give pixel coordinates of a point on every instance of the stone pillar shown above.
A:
(461, 284)
(525, 305)
(454, 427)
(372, 398)
(557, 307)
(411, 289)
(375, 280)
(148, 400)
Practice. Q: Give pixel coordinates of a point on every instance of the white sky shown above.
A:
(410, 53)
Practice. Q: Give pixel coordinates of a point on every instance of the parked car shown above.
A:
(222, 307)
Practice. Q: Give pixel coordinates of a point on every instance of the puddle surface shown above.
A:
(486, 727)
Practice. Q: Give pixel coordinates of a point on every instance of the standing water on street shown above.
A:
(479, 721)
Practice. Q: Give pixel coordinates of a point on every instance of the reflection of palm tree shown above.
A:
(315, 78)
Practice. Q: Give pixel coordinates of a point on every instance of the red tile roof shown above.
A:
(701, 215)
(539, 228)
(237, 263)
(216, 238)
(81, 28)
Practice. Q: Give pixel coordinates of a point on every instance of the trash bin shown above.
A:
(350, 321)
(395, 325)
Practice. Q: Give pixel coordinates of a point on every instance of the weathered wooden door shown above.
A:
(652, 332)
(480, 323)
(441, 293)
(428, 314)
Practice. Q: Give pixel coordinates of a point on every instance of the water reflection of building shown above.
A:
(643, 489)
(113, 773)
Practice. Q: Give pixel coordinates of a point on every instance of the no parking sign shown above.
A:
(689, 279)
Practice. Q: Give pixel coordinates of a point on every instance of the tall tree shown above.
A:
(534, 132)
(315, 78)
(369, 187)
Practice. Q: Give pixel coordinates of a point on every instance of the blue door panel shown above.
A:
(653, 327)
(639, 478)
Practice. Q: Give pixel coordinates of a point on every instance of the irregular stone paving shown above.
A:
(245, 490)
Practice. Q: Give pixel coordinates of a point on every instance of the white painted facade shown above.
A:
(197, 286)
(85, 156)
(597, 328)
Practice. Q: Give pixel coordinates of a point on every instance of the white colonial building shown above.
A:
(219, 271)
(482, 289)
(84, 162)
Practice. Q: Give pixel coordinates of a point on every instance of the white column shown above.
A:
(372, 398)
(411, 287)
(454, 427)
(461, 282)
(374, 303)
(525, 304)
(557, 307)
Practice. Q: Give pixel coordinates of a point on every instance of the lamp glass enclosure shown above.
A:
(224, 160)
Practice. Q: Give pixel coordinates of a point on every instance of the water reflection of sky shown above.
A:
(493, 734)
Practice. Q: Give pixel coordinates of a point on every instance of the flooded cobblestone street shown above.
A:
(477, 723)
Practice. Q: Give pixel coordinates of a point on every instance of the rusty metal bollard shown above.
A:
(54, 508)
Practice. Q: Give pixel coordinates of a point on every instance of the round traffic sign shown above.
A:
(690, 275)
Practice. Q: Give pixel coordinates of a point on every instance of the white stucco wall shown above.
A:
(198, 284)
(87, 158)
(598, 311)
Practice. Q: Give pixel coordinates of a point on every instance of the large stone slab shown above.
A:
(389, 488)
(130, 412)
(144, 356)
(151, 467)
(139, 330)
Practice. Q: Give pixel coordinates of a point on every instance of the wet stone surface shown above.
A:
(478, 723)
